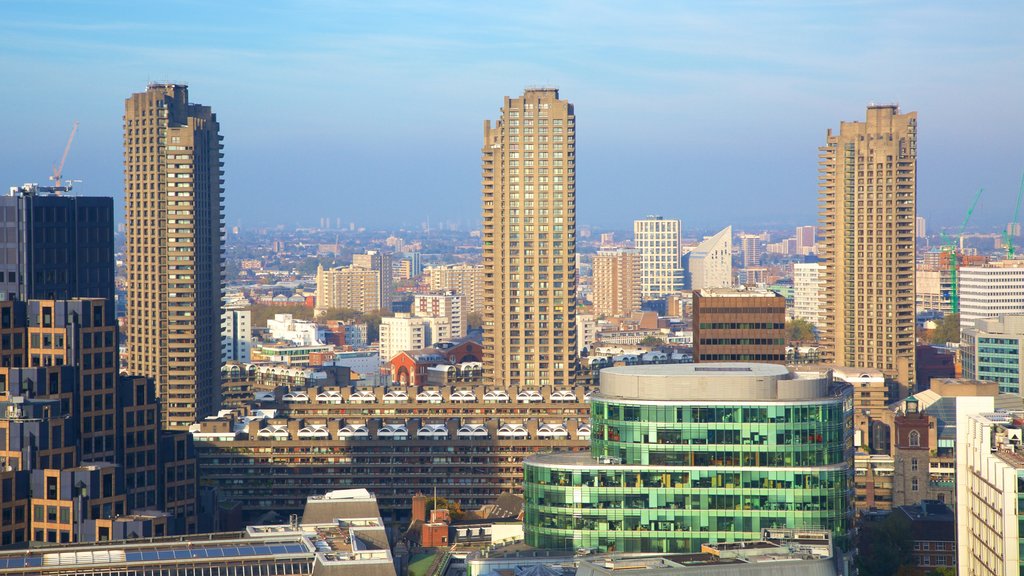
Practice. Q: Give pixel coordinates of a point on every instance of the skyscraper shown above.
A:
(615, 286)
(529, 241)
(174, 249)
(867, 195)
(658, 242)
(56, 247)
(753, 249)
(806, 239)
(710, 263)
(380, 263)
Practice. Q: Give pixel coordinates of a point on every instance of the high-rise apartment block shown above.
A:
(615, 286)
(710, 263)
(529, 242)
(56, 247)
(380, 263)
(739, 325)
(464, 279)
(991, 290)
(347, 287)
(867, 197)
(752, 249)
(807, 291)
(806, 240)
(657, 241)
(174, 249)
(400, 333)
(920, 227)
(236, 331)
(447, 307)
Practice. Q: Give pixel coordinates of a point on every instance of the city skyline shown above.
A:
(334, 96)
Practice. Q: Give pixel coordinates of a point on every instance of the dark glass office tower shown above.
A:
(56, 247)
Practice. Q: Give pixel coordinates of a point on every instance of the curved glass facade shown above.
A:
(668, 476)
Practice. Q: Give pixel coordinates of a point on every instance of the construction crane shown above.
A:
(1011, 228)
(58, 169)
(954, 247)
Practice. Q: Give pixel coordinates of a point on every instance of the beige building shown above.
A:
(990, 474)
(807, 291)
(464, 279)
(446, 307)
(174, 249)
(348, 287)
(657, 241)
(529, 242)
(615, 285)
(867, 197)
(380, 263)
(710, 263)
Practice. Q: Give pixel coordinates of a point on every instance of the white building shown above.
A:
(236, 335)
(807, 286)
(402, 332)
(752, 248)
(586, 331)
(447, 305)
(990, 473)
(301, 332)
(995, 289)
(658, 242)
(710, 263)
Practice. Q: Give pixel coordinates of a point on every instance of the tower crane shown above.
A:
(1011, 228)
(953, 247)
(58, 169)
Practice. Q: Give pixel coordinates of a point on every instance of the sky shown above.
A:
(372, 112)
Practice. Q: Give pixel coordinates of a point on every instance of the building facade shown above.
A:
(347, 287)
(381, 264)
(174, 196)
(56, 247)
(529, 242)
(992, 350)
(657, 241)
(236, 331)
(991, 290)
(463, 279)
(807, 291)
(400, 333)
(867, 200)
(709, 265)
(739, 325)
(806, 240)
(752, 248)
(446, 306)
(687, 454)
(990, 490)
(466, 440)
(615, 288)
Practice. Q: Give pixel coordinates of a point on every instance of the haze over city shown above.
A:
(710, 113)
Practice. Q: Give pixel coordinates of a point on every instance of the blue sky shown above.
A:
(711, 112)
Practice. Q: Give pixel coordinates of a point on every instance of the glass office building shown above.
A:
(693, 453)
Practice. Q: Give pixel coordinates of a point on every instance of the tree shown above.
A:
(454, 508)
(885, 546)
(800, 330)
(946, 330)
(652, 341)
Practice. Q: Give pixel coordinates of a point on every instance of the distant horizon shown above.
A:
(373, 113)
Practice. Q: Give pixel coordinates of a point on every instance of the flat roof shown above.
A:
(706, 370)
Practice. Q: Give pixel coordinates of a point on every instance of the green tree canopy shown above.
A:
(946, 330)
(652, 341)
(800, 330)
